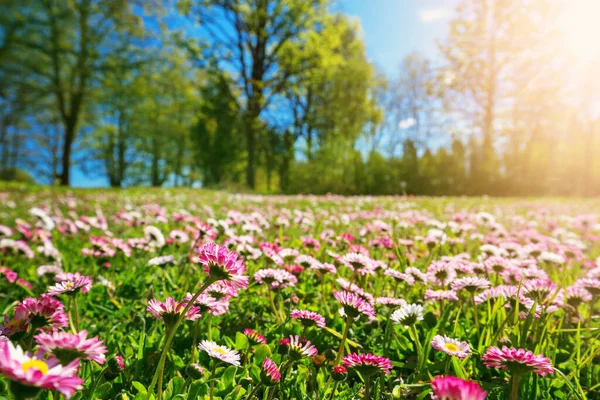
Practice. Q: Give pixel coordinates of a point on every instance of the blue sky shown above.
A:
(391, 30)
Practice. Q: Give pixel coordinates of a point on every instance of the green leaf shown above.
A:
(241, 341)
(139, 387)
(263, 351)
(103, 390)
(197, 389)
(228, 376)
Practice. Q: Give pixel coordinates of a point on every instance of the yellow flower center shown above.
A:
(69, 285)
(452, 347)
(36, 364)
(219, 350)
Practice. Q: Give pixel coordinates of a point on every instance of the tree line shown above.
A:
(280, 96)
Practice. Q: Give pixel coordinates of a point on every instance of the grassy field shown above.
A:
(187, 294)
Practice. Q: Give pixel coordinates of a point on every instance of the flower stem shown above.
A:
(340, 353)
(515, 387)
(212, 381)
(335, 386)
(171, 334)
(414, 332)
(253, 392)
(475, 315)
(367, 387)
(75, 313)
(195, 339)
(275, 311)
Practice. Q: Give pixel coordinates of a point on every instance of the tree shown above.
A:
(218, 135)
(249, 39)
(62, 48)
(486, 45)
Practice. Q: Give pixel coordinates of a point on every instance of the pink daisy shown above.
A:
(71, 283)
(270, 374)
(367, 364)
(308, 318)
(451, 346)
(170, 310)
(41, 312)
(471, 284)
(222, 264)
(221, 353)
(29, 372)
(440, 295)
(453, 388)
(255, 336)
(68, 347)
(275, 278)
(441, 273)
(353, 306)
(300, 348)
(400, 276)
(517, 361)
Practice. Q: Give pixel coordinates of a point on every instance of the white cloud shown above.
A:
(434, 14)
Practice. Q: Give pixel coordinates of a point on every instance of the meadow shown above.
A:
(187, 294)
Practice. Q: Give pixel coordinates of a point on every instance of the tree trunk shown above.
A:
(251, 147)
(70, 128)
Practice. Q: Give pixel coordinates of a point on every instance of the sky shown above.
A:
(391, 30)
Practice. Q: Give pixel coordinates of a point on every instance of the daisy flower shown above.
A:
(275, 278)
(517, 361)
(270, 374)
(255, 336)
(471, 284)
(356, 261)
(68, 346)
(71, 284)
(573, 296)
(353, 305)
(440, 295)
(417, 275)
(222, 264)
(367, 364)
(308, 318)
(49, 271)
(206, 303)
(305, 261)
(538, 289)
(170, 310)
(154, 236)
(592, 285)
(299, 348)
(390, 301)
(161, 260)
(400, 276)
(324, 268)
(29, 373)
(453, 388)
(408, 315)
(351, 287)
(221, 353)
(441, 273)
(41, 312)
(451, 346)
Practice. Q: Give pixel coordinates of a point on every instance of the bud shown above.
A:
(330, 354)
(283, 346)
(114, 368)
(339, 373)
(194, 371)
(246, 382)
